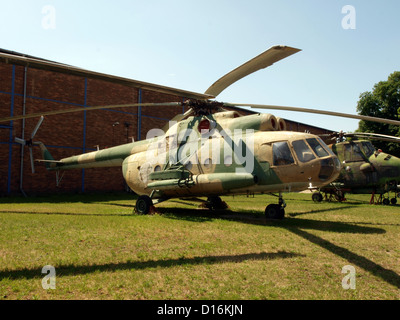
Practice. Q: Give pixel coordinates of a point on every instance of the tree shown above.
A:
(382, 102)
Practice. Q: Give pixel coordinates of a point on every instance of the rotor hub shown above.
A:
(203, 107)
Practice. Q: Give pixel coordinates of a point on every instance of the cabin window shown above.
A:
(228, 161)
(303, 151)
(347, 152)
(281, 154)
(208, 163)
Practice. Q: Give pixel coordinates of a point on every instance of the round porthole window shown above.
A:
(207, 163)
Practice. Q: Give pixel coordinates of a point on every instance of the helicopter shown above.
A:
(211, 150)
(365, 169)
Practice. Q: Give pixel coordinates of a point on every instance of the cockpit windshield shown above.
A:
(303, 151)
(368, 148)
(357, 154)
(357, 151)
(324, 145)
(318, 149)
(310, 149)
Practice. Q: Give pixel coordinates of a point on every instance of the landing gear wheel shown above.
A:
(385, 202)
(274, 211)
(143, 204)
(393, 201)
(317, 197)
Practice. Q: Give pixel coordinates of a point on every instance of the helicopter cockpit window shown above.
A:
(282, 154)
(357, 153)
(352, 152)
(303, 151)
(368, 148)
(347, 152)
(326, 147)
(317, 147)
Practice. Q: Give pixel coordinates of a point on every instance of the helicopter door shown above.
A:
(355, 175)
(367, 168)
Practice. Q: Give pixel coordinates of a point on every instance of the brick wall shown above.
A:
(72, 133)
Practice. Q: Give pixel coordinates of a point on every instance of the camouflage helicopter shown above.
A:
(210, 151)
(365, 169)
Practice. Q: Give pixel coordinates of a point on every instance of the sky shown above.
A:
(347, 46)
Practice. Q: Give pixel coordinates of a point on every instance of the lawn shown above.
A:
(101, 250)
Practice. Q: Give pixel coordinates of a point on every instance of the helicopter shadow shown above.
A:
(67, 270)
(69, 198)
(65, 213)
(319, 211)
(251, 217)
(299, 227)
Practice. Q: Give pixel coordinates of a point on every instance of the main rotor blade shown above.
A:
(329, 113)
(373, 136)
(262, 61)
(51, 113)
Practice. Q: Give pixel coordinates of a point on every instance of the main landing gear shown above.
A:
(381, 199)
(276, 211)
(144, 204)
(215, 203)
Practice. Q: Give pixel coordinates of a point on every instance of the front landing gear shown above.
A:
(143, 204)
(276, 211)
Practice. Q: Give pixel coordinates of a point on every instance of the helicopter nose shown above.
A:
(388, 168)
(330, 168)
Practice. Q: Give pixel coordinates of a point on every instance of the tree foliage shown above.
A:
(382, 102)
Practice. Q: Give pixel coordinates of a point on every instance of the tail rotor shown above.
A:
(29, 143)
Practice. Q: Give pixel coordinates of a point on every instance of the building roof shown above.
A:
(12, 57)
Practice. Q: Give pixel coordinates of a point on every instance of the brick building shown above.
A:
(32, 85)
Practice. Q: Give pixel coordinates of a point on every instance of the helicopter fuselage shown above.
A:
(366, 170)
(222, 153)
(275, 163)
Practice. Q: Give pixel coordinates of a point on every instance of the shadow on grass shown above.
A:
(70, 198)
(298, 227)
(250, 217)
(68, 213)
(320, 210)
(387, 275)
(71, 270)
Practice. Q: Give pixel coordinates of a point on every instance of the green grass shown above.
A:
(102, 251)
